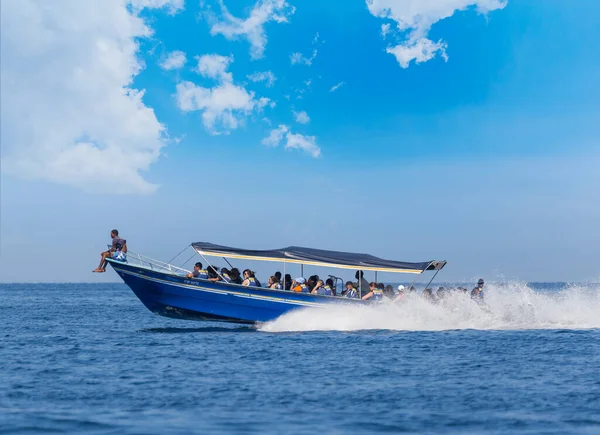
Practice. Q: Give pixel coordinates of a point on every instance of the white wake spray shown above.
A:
(511, 306)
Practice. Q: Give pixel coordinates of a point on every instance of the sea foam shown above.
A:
(511, 306)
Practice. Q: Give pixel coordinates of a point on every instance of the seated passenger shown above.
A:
(299, 285)
(381, 287)
(349, 290)
(477, 292)
(274, 283)
(224, 276)
(312, 281)
(323, 289)
(234, 274)
(329, 285)
(441, 293)
(428, 295)
(278, 276)
(117, 251)
(388, 292)
(375, 293)
(287, 282)
(249, 279)
(213, 275)
(400, 295)
(198, 272)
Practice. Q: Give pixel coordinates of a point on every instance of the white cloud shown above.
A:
(173, 6)
(282, 134)
(385, 29)
(225, 106)
(276, 136)
(307, 144)
(299, 58)
(420, 51)
(264, 76)
(301, 117)
(252, 28)
(175, 60)
(336, 87)
(414, 18)
(215, 66)
(69, 114)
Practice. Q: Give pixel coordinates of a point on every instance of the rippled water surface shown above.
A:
(91, 358)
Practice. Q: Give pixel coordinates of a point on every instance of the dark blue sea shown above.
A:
(81, 358)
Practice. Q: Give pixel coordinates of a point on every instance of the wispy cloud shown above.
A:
(251, 28)
(298, 58)
(282, 134)
(264, 76)
(414, 20)
(175, 60)
(336, 87)
(301, 117)
(173, 6)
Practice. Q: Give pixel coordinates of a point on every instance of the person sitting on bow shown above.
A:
(117, 251)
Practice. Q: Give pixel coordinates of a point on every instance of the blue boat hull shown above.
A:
(194, 299)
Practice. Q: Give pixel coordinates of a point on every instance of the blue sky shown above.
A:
(469, 132)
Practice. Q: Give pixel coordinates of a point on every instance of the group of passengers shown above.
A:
(375, 291)
(477, 294)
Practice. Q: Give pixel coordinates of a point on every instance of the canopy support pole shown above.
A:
(302, 270)
(230, 265)
(214, 268)
(169, 262)
(432, 278)
(283, 284)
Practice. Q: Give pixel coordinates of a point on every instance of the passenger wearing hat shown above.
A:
(299, 285)
(477, 292)
(400, 295)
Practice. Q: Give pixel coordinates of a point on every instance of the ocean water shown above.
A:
(84, 358)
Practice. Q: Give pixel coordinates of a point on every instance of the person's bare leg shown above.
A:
(102, 266)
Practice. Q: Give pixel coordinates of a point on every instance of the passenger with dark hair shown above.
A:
(212, 273)
(441, 293)
(428, 295)
(198, 272)
(234, 274)
(362, 284)
(277, 275)
(249, 279)
(477, 292)
(388, 292)
(312, 282)
(225, 274)
(117, 251)
(350, 292)
(330, 286)
(287, 282)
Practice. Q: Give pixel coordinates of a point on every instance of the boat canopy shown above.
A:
(318, 257)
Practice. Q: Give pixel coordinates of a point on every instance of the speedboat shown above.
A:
(166, 290)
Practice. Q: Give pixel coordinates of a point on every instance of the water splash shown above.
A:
(511, 306)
